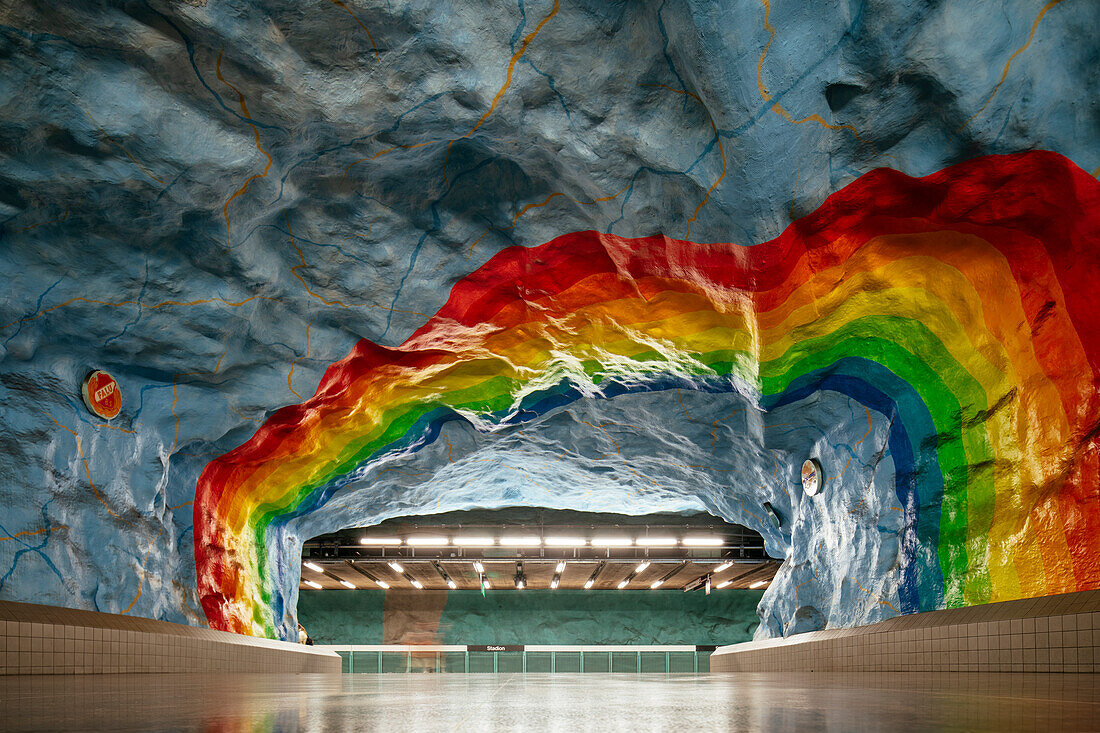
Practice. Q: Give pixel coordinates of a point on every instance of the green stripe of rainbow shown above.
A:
(957, 304)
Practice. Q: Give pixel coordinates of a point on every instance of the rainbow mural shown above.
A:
(960, 305)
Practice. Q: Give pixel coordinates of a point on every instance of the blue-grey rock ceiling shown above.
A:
(215, 201)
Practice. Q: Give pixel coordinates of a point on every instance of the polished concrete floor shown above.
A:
(589, 702)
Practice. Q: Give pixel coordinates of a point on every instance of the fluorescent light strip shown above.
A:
(520, 541)
(478, 567)
(346, 584)
(554, 583)
(382, 584)
(703, 541)
(642, 567)
(313, 566)
(427, 541)
(396, 567)
(656, 541)
(588, 583)
(724, 566)
(758, 584)
(485, 583)
(566, 542)
(377, 541)
(311, 584)
(723, 584)
(612, 542)
(623, 584)
(417, 584)
(451, 584)
(560, 567)
(474, 541)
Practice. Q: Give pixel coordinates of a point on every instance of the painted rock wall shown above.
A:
(461, 213)
(530, 617)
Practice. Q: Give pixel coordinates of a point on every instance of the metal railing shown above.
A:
(523, 659)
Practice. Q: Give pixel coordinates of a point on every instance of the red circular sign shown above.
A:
(102, 395)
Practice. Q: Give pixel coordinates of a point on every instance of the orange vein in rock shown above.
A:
(141, 583)
(367, 30)
(119, 146)
(507, 80)
(256, 133)
(880, 600)
(302, 260)
(290, 374)
(119, 304)
(776, 106)
(87, 470)
(544, 202)
(29, 533)
(63, 217)
(721, 152)
(1017, 52)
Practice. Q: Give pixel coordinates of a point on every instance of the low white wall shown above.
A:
(38, 639)
(1050, 634)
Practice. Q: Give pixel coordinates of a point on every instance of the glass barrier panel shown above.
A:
(681, 662)
(481, 661)
(538, 662)
(597, 662)
(624, 661)
(395, 662)
(653, 662)
(567, 661)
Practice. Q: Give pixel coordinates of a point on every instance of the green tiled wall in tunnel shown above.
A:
(533, 617)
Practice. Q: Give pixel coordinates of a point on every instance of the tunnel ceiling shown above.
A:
(353, 260)
(525, 548)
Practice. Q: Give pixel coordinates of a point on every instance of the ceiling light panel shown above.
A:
(379, 541)
(311, 584)
(474, 541)
(313, 566)
(556, 541)
(426, 541)
(612, 541)
(703, 541)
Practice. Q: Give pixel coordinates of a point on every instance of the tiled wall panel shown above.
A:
(49, 640)
(1051, 634)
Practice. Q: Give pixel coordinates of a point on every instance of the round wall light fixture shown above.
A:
(812, 479)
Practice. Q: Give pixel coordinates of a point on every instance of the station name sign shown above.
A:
(494, 647)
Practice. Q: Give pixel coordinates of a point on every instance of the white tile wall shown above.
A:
(1050, 634)
(50, 640)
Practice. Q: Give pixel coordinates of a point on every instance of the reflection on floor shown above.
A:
(602, 702)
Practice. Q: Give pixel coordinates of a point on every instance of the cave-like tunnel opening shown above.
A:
(527, 575)
(811, 282)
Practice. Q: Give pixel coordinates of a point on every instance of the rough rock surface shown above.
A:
(216, 201)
